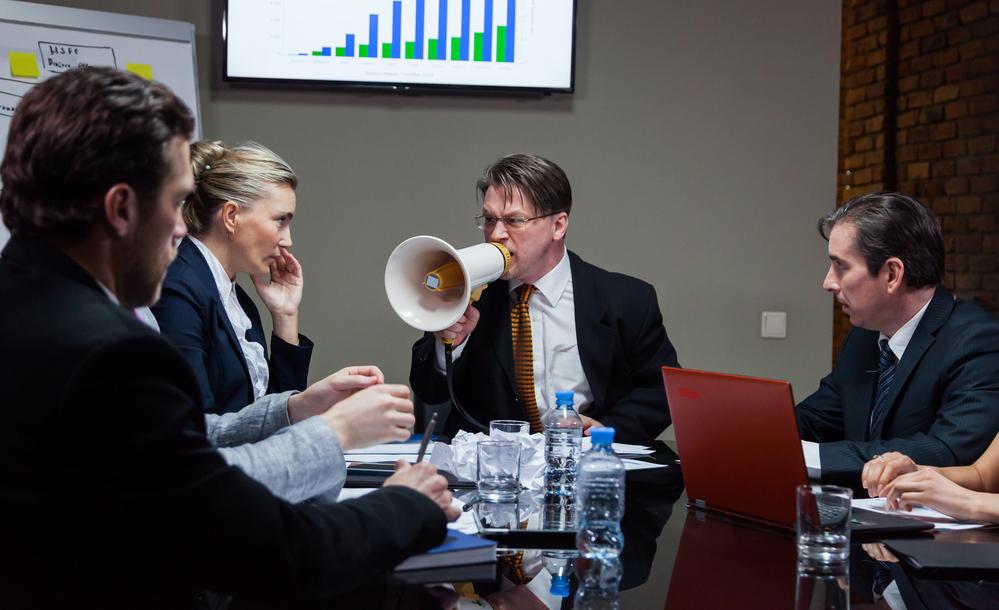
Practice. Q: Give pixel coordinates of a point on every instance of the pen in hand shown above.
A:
(427, 433)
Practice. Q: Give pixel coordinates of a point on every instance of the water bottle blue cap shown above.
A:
(560, 586)
(602, 436)
(564, 396)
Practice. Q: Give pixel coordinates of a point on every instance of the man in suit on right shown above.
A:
(919, 372)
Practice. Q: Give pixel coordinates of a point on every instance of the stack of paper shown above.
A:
(387, 452)
(939, 520)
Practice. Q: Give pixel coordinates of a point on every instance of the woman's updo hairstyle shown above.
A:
(241, 174)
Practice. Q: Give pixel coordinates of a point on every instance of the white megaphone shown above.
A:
(429, 283)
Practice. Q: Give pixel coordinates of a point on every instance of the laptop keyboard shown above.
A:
(830, 514)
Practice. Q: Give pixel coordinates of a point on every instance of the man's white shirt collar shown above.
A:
(111, 295)
(552, 284)
(900, 340)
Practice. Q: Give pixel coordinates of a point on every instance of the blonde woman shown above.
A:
(239, 221)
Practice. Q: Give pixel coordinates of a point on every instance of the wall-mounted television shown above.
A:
(516, 45)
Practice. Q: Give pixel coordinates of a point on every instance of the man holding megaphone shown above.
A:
(552, 322)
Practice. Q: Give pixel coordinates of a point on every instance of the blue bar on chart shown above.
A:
(442, 30)
(495, 42)
(466, 19)
(397, 29)
(372, 36)
(418, 45)
(511, 21)
(487, 33)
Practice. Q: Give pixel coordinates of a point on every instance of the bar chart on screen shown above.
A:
(476, 43)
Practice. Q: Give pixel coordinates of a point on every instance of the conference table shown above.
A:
(678, 559)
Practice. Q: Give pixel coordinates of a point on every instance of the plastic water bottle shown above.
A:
(559, 564)
(563, 445)
(601, 500)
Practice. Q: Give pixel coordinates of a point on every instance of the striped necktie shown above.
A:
(523, 355)
(886, 374)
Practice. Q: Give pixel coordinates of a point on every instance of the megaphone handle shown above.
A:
(449, 376)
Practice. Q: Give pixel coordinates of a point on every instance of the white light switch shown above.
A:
(774, 325)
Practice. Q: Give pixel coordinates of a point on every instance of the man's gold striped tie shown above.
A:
(523, 355)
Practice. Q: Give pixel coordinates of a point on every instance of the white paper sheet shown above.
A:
(630, 464)
(620, 447)
(939, 520)
(393, 448)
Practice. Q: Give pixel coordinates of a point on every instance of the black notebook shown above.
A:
(935, 554)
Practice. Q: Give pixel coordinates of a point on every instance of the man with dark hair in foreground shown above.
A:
(111, 494)
(919, 372)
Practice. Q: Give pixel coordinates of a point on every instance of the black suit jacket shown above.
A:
(191, 314)
(622, 347)
(111, 496)
(944, 399)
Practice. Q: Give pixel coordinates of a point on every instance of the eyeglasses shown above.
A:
(512, 223)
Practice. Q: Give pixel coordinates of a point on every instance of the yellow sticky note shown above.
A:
(23, 65)
(143, 70)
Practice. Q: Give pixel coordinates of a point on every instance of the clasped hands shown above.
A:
(904, 484)
(363, 410)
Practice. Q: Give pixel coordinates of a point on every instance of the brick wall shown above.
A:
(919, 113)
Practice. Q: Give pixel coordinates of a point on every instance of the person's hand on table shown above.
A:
(423, 477)
(323, 394)
(377, 414)
(883, 469)
(931, 489)
(589, 422)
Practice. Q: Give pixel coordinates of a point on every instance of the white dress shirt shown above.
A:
(897, 342)
(557, 366)
(253, 352)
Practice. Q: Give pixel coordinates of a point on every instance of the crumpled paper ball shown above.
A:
(460, 457)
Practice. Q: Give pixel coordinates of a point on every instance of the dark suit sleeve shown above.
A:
(289, 364)
(965, 422)
(427, 383)
(142, 466)
(641, 414)
(182, 318)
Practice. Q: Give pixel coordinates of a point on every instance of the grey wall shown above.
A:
(701, 144)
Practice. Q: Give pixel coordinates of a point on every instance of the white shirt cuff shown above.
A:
(813, 460)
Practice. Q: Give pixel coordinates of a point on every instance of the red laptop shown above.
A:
(740, 452)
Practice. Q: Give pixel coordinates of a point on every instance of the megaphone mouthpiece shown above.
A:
(446, 276)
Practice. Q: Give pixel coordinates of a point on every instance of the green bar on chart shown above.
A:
(410, 50)
(432, 53)
(341, 52)
(317, 53)
(477, 53)
(501, 43)
(362, 50)
(456, 48)
(386, 49)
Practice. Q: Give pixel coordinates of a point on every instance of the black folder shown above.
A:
(943, 558)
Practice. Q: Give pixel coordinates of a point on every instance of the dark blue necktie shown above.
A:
(886, 374)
